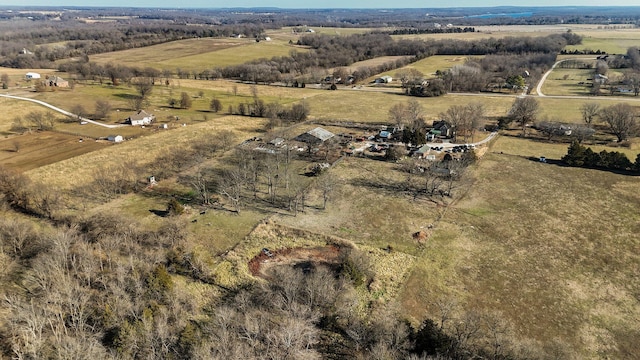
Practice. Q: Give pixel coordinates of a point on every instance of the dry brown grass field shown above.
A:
(526, 241)
(141, 150)
(43, 148)
(552, 250)
(530, 241)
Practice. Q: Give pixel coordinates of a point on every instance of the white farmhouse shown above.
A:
(140, 118)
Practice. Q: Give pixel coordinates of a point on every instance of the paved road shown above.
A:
(62, 111)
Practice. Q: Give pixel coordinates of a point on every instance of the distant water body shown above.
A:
(511, 15)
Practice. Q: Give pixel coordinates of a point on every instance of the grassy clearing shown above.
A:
(12, 109)
(543, 255)
(568, 110)
(373, 106)
(330, 30)
(197, 54)
(364, 210)
(609, 41)
(512, 145)
(566, 82)
(211, 233)
(486, 32)
(389, 268)
(430, 65)
(141, 150)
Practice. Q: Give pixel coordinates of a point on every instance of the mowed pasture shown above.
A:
(611, 41)
(197, 54)
(366, 105)
(512, 144)
(430, 65)
(32, 150)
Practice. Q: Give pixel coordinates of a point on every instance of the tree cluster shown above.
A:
(431, 30)
(582, 156)
(106, 287)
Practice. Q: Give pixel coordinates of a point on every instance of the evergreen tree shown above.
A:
(575, 154)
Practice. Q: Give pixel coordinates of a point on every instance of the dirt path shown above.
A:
(61, 111)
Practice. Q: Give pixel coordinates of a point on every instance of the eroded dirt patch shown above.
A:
(304, 258)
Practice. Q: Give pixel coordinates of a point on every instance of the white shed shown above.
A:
(32, 75)
(115, 138)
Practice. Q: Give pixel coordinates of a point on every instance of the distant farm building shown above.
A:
(600, 79)
(442, 128)
(115, 138)
(32, 75)
(315, 136)
(58, 82)
(383, 79)
(141, 117)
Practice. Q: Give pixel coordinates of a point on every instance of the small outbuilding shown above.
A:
(32, 75)
(115, 138)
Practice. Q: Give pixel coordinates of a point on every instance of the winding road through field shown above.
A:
(61, 111)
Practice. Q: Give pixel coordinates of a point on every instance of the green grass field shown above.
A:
(609, 41)
(429, 66)
(197, 54)
(373, 106)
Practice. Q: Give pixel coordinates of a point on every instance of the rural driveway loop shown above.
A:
(61, 111)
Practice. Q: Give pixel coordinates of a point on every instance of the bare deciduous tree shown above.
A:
(103, 108)
(230, 185)
(524, 111)
(589, 112)
(621, 119)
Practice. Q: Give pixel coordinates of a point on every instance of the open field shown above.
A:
(609, 41)
(197, 54)
(568, 110)
(515, 245)
(529, 148)
(142, 150)
(595, 37)
(373, 106)
(373, 62)
(529, 241)
(11, 109)
(331, 30)
(428, 66)
(43, 148)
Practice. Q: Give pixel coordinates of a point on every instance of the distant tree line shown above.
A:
(82, 40)
(535, 54)
(431, 30)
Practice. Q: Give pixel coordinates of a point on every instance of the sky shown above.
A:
(316, 4)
